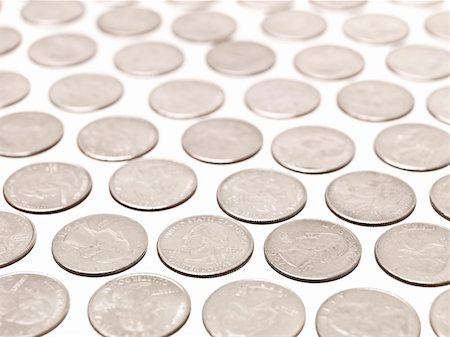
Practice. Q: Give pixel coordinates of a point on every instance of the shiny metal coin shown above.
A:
(313, 149)
(205, 246)
(422, 63)
(222, 140)
(126, 21)
(338, 4)
(261, 196)
(413, 147)
(17, 238)
(329, 62)
(439, 317)
(204, 26)
(99, 245)
(85, 92)
(417, 2)
(438, 104)
(282, 98)
(416, 253)
(375, 101)
(148, 58)
(268, 6)
(24, 134)
(366, 312)
(186, 99)
(253, 308)
(152, 184)
(47, 187)
(13, 88)
(312, 250)
(440, 196)
(139, 304)
(10, 39)
(439, 24)
(370, 198)
(118, 3)
(52, 12)
(240, 58)
(62, 50)
(117, 138)
(193, 5)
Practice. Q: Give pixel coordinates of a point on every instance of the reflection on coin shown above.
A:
(17, 238)
(329, 62)
(204, 26)
(185, 99)
(440, 196)
(241, 58)
(205, 246)
(148, 58)
(99, 245)
(338, 4)
(261, 196)
(416, 253)
(268, 6)
(117, 138)
(31, 304)
(85, 92)
(366, 312)
(127, 21)
(438, 104)
(312, 250)
(439, 317)
(10, 39)
(281, 98)
(140, 305)
(52, 12)
(375, 101)
(152, 184)
(439, 24)
(47, 187)
(222, 140)
(414, 147)
(253, 308)
(370, 198)
(294, 25)
(313, 149)
(416, 62)
(193, 4)
(13, 88)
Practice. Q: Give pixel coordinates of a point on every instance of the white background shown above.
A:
(134, 102)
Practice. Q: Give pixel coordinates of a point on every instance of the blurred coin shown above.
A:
(438, 104)
(52, 12)
(205, 246)
(313, 149)
(414, 147)
(99, 245)
(10, 39)
(338, 4)
(47, 187)
(417, 2)
(222, 140)
(416, 253)
(439, 314)
(261, 196)
(268, 6)
(13, 88)
(152, 184)
(193, 4)
(439, 24)
(440, 196)
(118, 3)
(126, 21)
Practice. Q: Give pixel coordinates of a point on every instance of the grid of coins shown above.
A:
(294, 213)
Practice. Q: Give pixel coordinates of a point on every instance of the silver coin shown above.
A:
(204, 26)
(153, 184)
(417, 2)
(31, 304)
(253, 308)
(118, 3)
(126, 21)
(117, 138)
(47, 187)
(329, 62)
(222, 140)
(85, 92)
(193, 5)
(282, 98)
(438, 104)
(440, 196)
(370, 198)
(261, 196)
(13, 88)
(10, 39)
(416, 253)
(139, 305)
(339, 4)
(268, 6)
(416, 62)
(375, 101)
(414, 147)
(185, 99)
(52, 12)
(149, 58)
(376, 28)
(313, 149)
(439, 317)
(366, 312)
(205, 246)
(240, 58)
(439, 24)
(294, 25)
(312, 250)
(17, 235)
(62, 50)
(23, 134)
(99, 245)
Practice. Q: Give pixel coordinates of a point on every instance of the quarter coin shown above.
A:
(439, 24)
(10, 39)
(339, 5)
(126, 21)
(268, 6)
(440, 196)
(438, 104)
(439, 318)
(13, 88)
(52, 12)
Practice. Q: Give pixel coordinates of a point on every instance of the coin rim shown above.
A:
(24, 93)
(115, 32)
(432, 318)
(431, 111)
(37, 21)
(17, 42)
(433, 198)
(428, 23)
